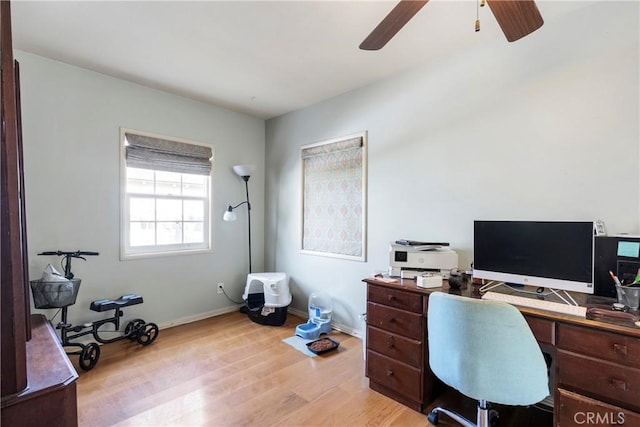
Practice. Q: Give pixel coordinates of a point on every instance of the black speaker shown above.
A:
(618, 254)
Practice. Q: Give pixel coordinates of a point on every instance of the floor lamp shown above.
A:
(244, 172)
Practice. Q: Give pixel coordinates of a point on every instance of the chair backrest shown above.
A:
(486, 350)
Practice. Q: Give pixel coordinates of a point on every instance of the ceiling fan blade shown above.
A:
(517, 18)
(392, 23)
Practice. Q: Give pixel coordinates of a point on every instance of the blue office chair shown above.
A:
(485, 350)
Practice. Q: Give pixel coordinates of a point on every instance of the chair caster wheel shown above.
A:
(433, 417)
(494, 418)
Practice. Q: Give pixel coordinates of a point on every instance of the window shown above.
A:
(166, 187)
(334, 183)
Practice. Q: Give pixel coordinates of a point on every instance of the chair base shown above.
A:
(486, 416)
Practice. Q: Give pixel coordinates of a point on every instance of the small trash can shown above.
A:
(267, 298)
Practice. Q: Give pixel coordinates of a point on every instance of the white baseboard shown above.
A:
(200, 316)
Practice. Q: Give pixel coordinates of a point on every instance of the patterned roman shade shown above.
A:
(333, 211)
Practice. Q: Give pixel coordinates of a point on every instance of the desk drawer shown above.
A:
(543, 329)
(395, 298)
(395, 346)
(395, 375)
(411, 325)
(599, 344)
(574, 409)
(610, 381)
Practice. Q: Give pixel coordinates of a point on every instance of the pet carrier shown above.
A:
(267, 298)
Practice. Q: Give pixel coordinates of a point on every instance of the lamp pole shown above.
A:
(246, 186)
(244, 172)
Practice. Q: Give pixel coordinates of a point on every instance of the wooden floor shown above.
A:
(229, 371)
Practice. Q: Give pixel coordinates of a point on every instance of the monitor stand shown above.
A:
(567, 298)
(562, 294)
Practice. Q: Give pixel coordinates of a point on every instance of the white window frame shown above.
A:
(128, 252)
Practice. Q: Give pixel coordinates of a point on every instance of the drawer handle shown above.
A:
(620, 349)
(390, 297)
(390, 342)
(389, 373)
(619, 384)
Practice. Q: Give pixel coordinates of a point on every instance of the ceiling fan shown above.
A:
(516, 18)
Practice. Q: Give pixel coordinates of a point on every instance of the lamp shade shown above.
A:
(229, 214)
(244, 170)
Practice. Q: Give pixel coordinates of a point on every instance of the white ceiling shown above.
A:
(263, 58)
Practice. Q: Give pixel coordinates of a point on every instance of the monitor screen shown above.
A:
(551, 254)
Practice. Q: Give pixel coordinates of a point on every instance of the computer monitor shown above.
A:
(550, 254)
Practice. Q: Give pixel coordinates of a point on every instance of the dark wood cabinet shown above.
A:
(396, 364)
(15, 307)
(598, 371)
(576, 409)
(51, 394)
(38, 381)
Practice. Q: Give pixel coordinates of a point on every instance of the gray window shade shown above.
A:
(147, 152)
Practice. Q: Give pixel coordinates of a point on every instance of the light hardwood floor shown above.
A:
(230, 371)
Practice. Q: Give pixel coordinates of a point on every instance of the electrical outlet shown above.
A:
(220, 288)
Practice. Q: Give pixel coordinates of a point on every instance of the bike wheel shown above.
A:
(89, 356)
(147, 334)
(131, 330)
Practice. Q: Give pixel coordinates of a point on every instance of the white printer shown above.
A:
(410, 258)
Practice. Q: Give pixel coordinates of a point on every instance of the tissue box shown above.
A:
(429, 280)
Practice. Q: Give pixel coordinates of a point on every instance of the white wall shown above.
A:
(545, 128)
(71, 122)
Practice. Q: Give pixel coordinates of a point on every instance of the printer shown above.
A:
(409, 258)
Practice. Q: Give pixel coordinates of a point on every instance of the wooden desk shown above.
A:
(595, 371)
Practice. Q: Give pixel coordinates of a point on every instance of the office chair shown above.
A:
(485, 350)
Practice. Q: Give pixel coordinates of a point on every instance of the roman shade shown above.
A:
(333, 205)
(326, 149)
(146, 152)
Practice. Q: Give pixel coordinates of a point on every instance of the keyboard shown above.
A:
(571, 310)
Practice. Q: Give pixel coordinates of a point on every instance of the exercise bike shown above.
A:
(63, 294)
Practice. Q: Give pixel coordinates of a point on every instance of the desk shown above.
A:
(595, 371)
